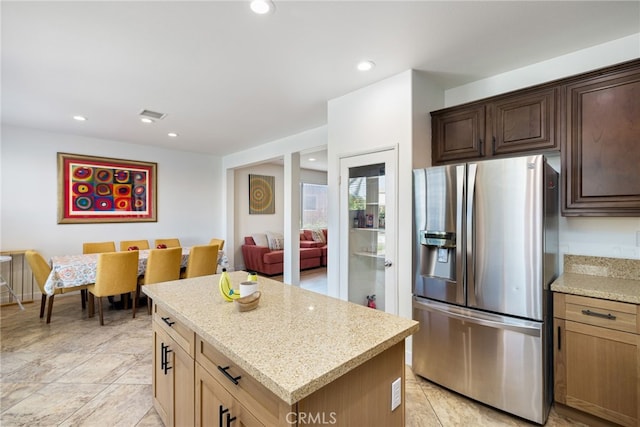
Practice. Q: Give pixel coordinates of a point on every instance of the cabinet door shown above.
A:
(183, 386)
(523, 123)
(173, 379)
(458, 134)
(597, 371)
(216, 407)
(601, 153)
(162, 378)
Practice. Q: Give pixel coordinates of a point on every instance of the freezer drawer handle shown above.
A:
(596, 314)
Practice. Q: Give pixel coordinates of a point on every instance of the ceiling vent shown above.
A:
(152, 114)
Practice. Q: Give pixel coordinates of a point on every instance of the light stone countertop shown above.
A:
(623, 290)
(614, 279)
(295, 341)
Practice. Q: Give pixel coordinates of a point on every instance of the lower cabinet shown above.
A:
(217, 407)
(597, 357)
(173, 374)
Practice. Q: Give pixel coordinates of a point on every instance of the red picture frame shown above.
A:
(100, 189)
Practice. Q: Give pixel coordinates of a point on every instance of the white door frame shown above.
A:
(389, 156)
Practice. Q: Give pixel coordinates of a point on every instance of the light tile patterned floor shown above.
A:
(73, 372)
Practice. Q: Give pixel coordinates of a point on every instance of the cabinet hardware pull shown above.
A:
(167, 321)
(165, 363)
(596, 314)
(230, 420)
(480, 146)
(221, 412)
(559, 338)
(163, 357)
(493, 144)
(228, 375)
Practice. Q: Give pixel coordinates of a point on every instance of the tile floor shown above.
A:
(73, 372)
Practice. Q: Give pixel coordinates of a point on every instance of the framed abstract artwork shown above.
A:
(261, 196)
(99, 189)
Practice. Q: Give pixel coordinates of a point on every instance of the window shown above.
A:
(314, 205)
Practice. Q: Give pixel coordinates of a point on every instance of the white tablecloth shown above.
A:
(68, 271)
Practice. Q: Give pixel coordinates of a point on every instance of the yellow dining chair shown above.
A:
(219, 242)
(41, 272)
(203, 261)
(140, 244)
(116, 274)
(163, 265)
(98, 247)
(169, 243)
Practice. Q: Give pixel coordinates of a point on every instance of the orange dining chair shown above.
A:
(116, 274)
(98, 247)
(41, 272)
(138, 244)
(168, 243)
(219, 242)
(203, 261)
(163, 265)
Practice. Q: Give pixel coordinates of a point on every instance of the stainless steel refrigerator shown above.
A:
(485, 253)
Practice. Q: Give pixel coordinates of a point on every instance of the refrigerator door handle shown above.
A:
(485, 319)
(461, 296)
(472, 169)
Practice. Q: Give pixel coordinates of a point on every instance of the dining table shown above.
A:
(68, 271)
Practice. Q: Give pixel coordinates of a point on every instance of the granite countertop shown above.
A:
(600, 277)
(295, 341)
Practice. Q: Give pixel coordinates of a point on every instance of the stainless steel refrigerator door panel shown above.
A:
(505, 236)
(493, 359)
(438, 228)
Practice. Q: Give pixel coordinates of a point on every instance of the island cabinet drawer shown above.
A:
(262, 403)
(615, 315)
(181, 334)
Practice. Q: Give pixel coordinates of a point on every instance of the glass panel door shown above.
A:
(369, 276)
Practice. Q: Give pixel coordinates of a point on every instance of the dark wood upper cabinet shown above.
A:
(592, 118)
(519, 122)
(601, 151)
(525, 122)
(458, 134)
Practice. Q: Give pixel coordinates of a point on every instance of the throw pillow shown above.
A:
(318, 236)
(276, 241)
(260, 239)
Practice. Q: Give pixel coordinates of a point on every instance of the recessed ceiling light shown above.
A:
(172, 134)
(311, 159)
(366, 65)
(146, 120)
(262, 7)
(80, 118)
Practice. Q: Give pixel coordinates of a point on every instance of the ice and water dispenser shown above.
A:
(438, 254)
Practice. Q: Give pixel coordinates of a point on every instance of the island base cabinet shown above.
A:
(173, 375)
(360, 398)
(596, 367)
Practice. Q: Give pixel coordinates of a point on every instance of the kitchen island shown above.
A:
(299, 358)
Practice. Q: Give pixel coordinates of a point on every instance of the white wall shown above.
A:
(614, 52)
(189, 193)
(390, 113)
(246, 224)
(309, 176)
(597, 236)
(376, 117)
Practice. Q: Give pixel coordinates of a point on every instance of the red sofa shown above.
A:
(270, 262)
(306, 241)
